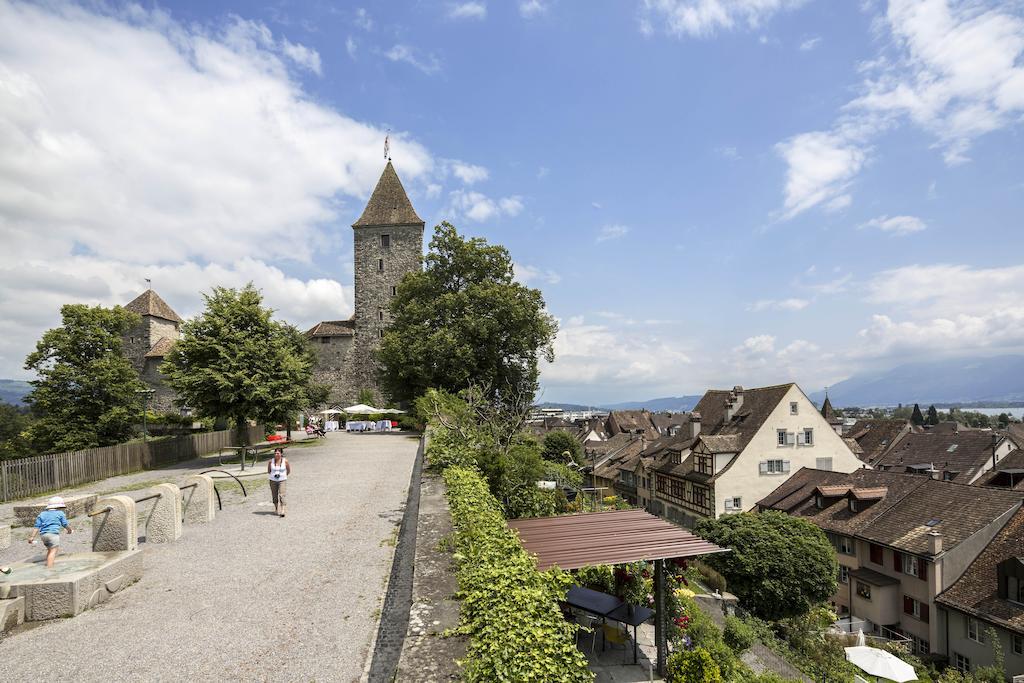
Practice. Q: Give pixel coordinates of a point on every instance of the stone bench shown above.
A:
(76, 505)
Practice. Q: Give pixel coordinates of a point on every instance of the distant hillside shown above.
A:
(13, 390)
(962, 380)
(670, 404)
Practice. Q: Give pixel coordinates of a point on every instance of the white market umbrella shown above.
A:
(360, 409)
(330, 411)
(393, 411)
(880, 663)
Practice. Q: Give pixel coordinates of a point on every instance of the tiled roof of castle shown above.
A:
(161, 348)
(964, 452)
(975, 592)
(150, 303)
(389, 204)
(333, 328)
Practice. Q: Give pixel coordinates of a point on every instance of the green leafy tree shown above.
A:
(235, 361)
(13, 423)
(464, 320)
(561, 446)
(693, 666)
(916, 417)
(933, 416)
(85, 391)
(779, 566)
(1003, 421)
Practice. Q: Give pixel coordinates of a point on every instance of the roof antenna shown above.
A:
(387, 145)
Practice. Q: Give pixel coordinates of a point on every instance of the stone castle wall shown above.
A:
(333, 366)
(374, 289)
(136, 344)
(163, 400)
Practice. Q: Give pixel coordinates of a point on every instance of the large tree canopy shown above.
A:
(779, 566)
(235, 361)
(85, 392)
(465, 321)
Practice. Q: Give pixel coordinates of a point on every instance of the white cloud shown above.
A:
(758, 345)
(351, 47)
(428, 64)
(588, 354)
(526, 274)
(810, 44)
(728, 153)
(530, 9)
(543, 172)
(699, 18)
(821, 166)
(791, 304)
(115, 167)
(612, 232)
(363, 19)
(477, 206)
(467, 10)
(897, 225)
(303, 56)
(469, 173)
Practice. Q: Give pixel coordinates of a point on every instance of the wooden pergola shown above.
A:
(613, 537)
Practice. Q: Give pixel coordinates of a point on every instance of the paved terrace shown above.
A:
(249, 596)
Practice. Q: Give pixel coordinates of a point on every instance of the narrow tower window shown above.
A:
(380, 265)
(385, 241)
(380, 314)
(394, 291)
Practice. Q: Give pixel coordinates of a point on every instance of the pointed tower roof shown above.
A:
(150, 303)
(827, 411)
(389, 204)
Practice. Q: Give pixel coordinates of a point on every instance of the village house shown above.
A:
(1007, 474)
(960, 456)
(602, 458)
(989, 598)
(901, 540)
(741, 445)
(876, 437)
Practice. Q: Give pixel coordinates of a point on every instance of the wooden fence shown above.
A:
(26, 477)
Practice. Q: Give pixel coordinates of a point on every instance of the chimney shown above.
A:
(694, 425)
(934, 542)
(734, 402)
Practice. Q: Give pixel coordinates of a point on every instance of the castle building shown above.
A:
(146, 344)
(388, 243)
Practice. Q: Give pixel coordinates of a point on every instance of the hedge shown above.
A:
(509, 610)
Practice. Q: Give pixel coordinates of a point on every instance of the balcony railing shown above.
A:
(849, 626)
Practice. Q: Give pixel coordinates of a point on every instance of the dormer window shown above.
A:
(1010, 575)
(853, 505)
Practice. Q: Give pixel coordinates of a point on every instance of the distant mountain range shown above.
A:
(670, 404)
(13, 391)
(992, 381)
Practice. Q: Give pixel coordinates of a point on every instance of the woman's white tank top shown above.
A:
(279, 472)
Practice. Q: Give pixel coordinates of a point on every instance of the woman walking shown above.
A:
(278, 470)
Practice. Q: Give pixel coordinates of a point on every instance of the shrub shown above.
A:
(509, 610)
(711, 578)
(693, 666)
(738, 635)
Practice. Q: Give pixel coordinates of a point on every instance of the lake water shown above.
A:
(1012, 412)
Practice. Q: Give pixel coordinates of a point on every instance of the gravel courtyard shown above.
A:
(249, 596)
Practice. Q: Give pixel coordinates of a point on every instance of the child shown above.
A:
(48, 525)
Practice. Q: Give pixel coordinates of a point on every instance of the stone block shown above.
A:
(198, 501)
(116, 529)
(12, 613)
(77, 582)
(163, 521)
(5, 536)
(76, 505)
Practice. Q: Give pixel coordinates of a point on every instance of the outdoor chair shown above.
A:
(591, 622)
(614, 635)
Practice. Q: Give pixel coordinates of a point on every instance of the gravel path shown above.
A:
(249, 596)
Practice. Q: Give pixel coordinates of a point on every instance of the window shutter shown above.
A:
(897, 561)
(790, 438)
(922, 569)
(799, 438)
(924, 613)
(908, 604)
(785, 466)
(763, 467)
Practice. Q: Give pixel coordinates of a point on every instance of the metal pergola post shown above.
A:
(660, 632)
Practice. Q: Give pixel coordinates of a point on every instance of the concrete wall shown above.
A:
(980, 654)
(373, 291)
(744, 478)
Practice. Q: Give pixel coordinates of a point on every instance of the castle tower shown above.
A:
(146, 344)
(388, 243)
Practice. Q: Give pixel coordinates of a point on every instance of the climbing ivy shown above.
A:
(509, 610)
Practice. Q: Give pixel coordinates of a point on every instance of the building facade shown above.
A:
(146, 344)
(387, 244)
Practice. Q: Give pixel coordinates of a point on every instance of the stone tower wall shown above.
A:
(374, 289)
(333, 367)
(137, 343)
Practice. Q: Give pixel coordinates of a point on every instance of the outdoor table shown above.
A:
(631, 615)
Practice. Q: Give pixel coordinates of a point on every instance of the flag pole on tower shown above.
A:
(387, 145)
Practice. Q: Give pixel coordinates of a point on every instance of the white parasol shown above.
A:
(361, 409)
(880, 663)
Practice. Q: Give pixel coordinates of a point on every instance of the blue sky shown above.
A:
(708, 192)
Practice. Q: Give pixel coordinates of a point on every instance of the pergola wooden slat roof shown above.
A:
(612, 537)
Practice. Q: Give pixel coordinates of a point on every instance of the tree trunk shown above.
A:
(243, 431)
